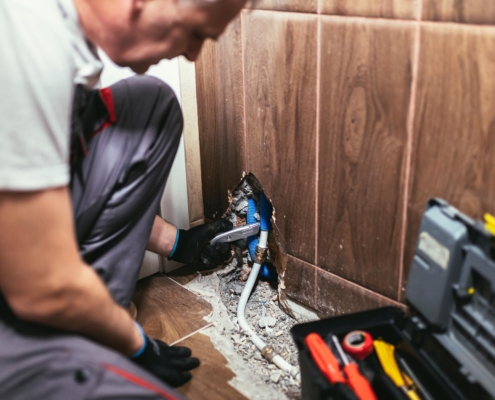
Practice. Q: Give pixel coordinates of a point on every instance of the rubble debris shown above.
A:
(276, 332)
(275, 376)
(250, 380)
(237, 289)
(267, 321)
(263, 312)
(228, 269)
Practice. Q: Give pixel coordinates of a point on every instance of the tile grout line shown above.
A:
(317, 146)
(382, 19)
(185, 287)
(246, 160)
(192, 334)
(348, 281)
(409, 149)
(209, 325)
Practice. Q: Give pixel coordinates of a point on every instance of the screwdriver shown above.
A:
(324, 358)
(328, 365)
(358, 383)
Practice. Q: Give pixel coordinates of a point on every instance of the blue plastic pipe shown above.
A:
(266, 271)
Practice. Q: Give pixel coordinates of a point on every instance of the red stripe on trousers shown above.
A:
(139, 381)
(107, 98)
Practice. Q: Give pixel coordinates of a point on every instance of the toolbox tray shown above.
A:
(448, 339)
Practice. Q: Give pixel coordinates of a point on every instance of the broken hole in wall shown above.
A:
(250, 187)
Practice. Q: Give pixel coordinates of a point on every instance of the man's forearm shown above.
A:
(83, 305)
(43, 277)
(162, 238)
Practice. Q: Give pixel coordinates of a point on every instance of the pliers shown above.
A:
(241, 232)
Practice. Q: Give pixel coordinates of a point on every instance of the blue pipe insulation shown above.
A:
(266, 271)
(265, 213)
(252, 240)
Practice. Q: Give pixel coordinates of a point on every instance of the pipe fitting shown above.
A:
(268, 353)
(260, 254)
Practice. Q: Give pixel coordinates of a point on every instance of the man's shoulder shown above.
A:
(47, 36)
(37, 24)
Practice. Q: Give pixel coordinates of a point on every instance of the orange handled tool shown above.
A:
(358, 383)
(324, 358)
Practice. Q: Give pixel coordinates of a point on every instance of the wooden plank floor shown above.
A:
(210, 379)
(170, 312)
(184, 275)
(167, 311)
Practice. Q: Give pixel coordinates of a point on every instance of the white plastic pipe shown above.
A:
(241, 308)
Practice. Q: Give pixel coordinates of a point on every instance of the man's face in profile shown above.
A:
(162, 29)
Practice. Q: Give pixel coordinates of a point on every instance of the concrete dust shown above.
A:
(256, 377)
(251, 383)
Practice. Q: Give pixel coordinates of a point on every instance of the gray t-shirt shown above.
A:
(43, 54)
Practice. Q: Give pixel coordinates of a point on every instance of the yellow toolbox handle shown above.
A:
(490, 223)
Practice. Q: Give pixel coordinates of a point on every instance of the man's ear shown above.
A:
(138, 5)
(137, 9)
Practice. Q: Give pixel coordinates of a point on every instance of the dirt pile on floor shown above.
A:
(270, 323)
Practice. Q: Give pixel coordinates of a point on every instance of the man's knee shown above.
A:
(145, 102)
(152, 89)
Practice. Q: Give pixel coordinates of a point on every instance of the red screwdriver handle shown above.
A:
(324, 358)
(358, 383)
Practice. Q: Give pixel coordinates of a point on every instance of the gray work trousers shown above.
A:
(116, 189)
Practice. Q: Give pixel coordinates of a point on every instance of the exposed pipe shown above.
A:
(258, 253)
(266, 271)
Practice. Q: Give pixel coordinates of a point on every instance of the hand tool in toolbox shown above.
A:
(358, 383)
(404, 366)
(328, 365)
(385, 353)
(241, 232)
(359, 344)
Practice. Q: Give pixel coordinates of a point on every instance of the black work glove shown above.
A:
(192, 246)
(170, 364)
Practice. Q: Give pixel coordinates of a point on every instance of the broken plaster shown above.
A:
(250, 385)
(249, 186)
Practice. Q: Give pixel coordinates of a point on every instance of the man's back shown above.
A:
(44, 53)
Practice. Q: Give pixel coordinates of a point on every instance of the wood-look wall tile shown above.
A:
(299, 281)
(365, 94)
(285, 5)
(467, 11)
(219, 80)
(453, 154)
(338, 296)
(400, 9)
(280, 68)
